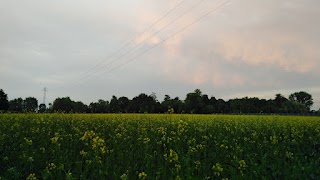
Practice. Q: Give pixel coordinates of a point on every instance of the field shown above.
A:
(142, 146)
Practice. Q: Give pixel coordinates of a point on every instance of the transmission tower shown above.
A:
(44, 95)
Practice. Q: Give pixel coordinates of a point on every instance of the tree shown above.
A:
(302, 98)
(167, 98)
(16, 105)
(144, 104)
(247, 105)
(99, 107)
(50, 110)
(166, 103)
(79, 107)
(222, 106)
(4, 103)
(42, 108)
(114, 105)
(204, 105)
(236, 106)
(64, 104)
(193, 102)
(268, 106)
(123, 103)
(169, 103)
(292, 107)
(30, 104)
(213, 103)
(280, 102)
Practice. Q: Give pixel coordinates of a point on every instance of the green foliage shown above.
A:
(195, 103)
(30, 104)
(19, 105)
(42, 108)
(67, 105)
(4, 103)
(16, 105)
(140, 146)
(303, 98)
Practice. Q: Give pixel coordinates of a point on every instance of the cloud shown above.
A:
(272, 33)
(290, 53)
(251, 46)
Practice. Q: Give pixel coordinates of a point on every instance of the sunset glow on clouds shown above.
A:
(246, 48)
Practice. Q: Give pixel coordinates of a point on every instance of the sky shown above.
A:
(91, 50)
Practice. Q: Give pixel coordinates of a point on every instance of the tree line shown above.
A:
(195, 103)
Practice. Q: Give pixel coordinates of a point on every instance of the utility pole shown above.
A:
(44, 95)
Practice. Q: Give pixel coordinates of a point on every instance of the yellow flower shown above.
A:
(217, 169)
(103, 150)
(31, 176)
(87, 135)
(142, 175)
(83, 153)
(146, 140)
(198, 164)
(51, 166)
(242, 164)
(29, 142)
(54, 139)
(173, 156)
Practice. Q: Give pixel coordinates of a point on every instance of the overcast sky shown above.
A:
(254, 48)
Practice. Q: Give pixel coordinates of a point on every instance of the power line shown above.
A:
(131, 41)
(174, 34)
(137, 45)
(89, 73)
(181, 30)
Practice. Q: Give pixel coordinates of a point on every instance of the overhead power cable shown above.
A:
(140, 43)
(131, 41)
(89, 72)
(177, 32)
(163, 41)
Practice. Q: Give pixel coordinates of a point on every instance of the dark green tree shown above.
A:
(64, 104)
(123, 103)
(16, 105)
(99, 107)
(42, 108)
(30, 104)
(114, 105)
(193, 102)
(204, 105)
(222, 106)
(213, 103)
(280, 102)
(167, 98)
(50, 109)
(303, 98)
(236, 106)
(169, 103)
(144, 104)
(4, 103)
(292, 107)
(79, 107)
(267, 106)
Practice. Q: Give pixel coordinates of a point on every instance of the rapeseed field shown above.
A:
(146, 146)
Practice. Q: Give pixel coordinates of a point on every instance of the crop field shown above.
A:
(143, 146)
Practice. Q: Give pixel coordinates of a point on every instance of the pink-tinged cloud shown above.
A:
(288, 52)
